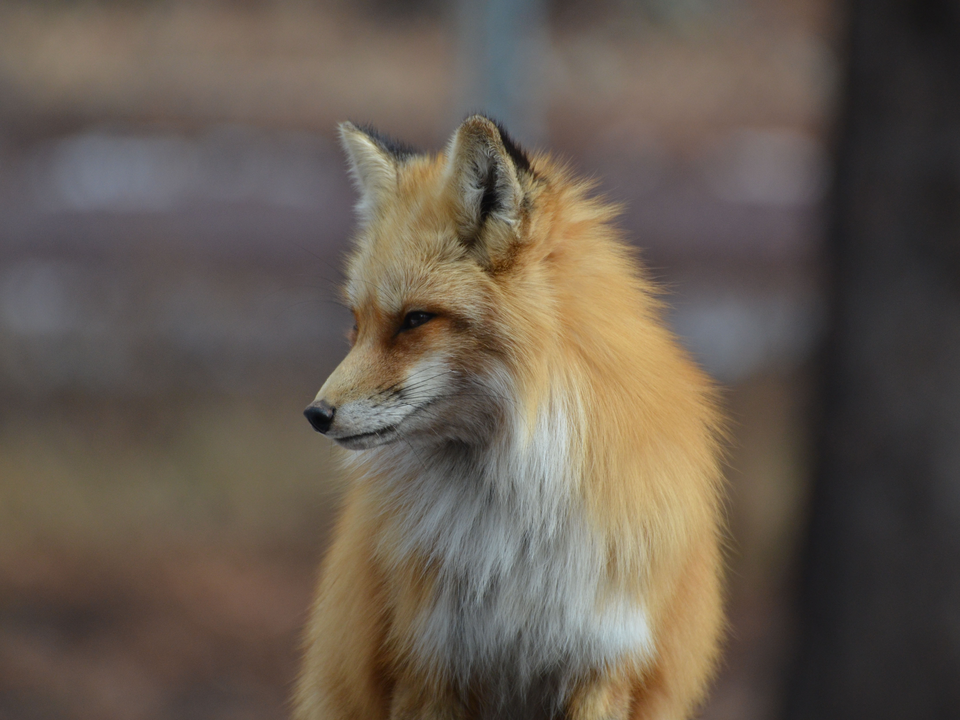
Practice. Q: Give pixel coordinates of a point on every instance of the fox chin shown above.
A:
(534, 519)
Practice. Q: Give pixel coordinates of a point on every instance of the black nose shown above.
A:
(320, 415)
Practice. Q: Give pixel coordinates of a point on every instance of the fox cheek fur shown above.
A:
(534, 523)
(427, 384)
(434, 401)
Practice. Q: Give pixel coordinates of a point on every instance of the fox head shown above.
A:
(431, 281)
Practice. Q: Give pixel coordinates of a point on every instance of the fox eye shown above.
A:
(415, 319)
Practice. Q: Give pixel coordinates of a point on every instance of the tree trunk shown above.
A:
(879, 619)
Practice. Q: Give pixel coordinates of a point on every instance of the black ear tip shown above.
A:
(494, 128)
(516, 153)
(399, 150)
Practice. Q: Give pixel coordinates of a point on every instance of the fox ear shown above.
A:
(484, 168)
(374, 161)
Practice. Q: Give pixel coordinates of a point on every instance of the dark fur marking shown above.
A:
(489, 200)
(496, 695)
(399, 150)
(505, 263)
(516, 153)
(487, 342)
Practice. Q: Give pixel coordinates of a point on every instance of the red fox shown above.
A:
(534, 522)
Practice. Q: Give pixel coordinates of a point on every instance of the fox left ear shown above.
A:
(374, 162)
(484, 167)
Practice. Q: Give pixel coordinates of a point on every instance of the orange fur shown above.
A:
(535, 516)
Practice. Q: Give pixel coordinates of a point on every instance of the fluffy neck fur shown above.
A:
(520, 591)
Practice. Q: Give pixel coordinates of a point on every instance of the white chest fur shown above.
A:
(522, 584)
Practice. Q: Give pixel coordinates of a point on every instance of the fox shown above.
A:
(532, 525)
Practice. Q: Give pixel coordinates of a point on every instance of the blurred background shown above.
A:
(173, 213)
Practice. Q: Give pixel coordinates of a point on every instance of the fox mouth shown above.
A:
(380, 436)
(361, 441)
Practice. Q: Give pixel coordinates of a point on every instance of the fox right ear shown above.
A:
(484, 168)
(374, 162)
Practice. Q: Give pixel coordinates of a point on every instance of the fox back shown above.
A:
(533, 523)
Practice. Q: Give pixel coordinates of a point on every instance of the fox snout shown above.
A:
(320, 415)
